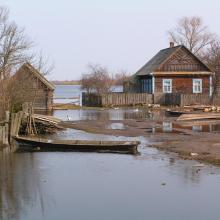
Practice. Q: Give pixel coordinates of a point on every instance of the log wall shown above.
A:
(182, 84)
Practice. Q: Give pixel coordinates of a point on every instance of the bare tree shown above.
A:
(42, 63)
(15, 49)
(97, 79)
(121, 77)
(192, 33)
(14, 46)
(212, 59)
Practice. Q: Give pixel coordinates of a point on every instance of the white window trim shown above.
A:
(196, 91)
(171, 85)
(210, 85)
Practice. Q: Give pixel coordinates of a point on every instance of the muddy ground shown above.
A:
(199, 140)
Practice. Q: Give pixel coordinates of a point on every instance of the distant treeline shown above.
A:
(67, 82)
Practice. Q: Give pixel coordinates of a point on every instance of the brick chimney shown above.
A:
(171, 44)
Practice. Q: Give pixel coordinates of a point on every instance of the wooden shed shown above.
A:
(29, 85)
(173, 70)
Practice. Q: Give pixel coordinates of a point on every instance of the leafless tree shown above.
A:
(97, 79)
(121, 77)
(212, 59)
(15, 49)
(192, 33)
(42, 63)
(14, 46)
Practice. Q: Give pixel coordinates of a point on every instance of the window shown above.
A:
(197, 85)
(167, 85)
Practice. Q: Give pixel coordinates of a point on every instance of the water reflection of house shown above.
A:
(173, 70)
(30, 85)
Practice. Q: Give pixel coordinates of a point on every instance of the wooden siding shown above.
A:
(28, 88)
(182, 84)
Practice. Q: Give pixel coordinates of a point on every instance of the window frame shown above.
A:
(197, 88)
(165, 90)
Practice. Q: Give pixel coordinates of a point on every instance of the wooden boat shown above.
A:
(199, 116)
(176, 113)
(42, 144)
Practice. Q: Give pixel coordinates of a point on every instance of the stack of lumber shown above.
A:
(204, 108)
(46, 119)
(42, 124)
(199, 116)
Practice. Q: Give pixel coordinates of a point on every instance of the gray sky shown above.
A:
(119, 34)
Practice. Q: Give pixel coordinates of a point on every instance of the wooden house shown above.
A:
(173, 70)
(29, 85)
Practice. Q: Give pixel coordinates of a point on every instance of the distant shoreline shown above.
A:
(66, 83)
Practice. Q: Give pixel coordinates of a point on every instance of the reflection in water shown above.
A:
(167, 126)
(19, 185)
(116, 126)
(110, 114)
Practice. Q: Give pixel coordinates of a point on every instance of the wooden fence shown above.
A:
(10, 128)
(127, 99)
(116, 99)
(185, 99)
(189, 99)
(4, 135)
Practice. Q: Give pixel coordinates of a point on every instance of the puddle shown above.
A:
(116, 126)
(202, 128)
(170, 127)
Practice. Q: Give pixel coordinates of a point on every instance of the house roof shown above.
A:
(162, 56)
(38, 75)
(203, 73)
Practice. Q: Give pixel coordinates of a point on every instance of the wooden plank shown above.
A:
(201, 116)
(6, 142)
(1, 134)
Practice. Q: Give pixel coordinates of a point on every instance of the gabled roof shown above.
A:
(160, 58)
(38, 75)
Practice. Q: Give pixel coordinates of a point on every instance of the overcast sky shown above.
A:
(119, 34)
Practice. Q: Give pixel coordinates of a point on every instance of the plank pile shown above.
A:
(42, 124)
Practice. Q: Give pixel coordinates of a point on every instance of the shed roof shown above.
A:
(38, 75)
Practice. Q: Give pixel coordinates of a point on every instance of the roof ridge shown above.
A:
(40, 76)
(175, 47)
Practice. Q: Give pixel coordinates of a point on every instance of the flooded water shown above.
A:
(67, 94)
(110, 114)
(153, 185)
(72, 93)
(95, 186)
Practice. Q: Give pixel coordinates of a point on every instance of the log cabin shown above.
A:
(173, 70)
(29, 85)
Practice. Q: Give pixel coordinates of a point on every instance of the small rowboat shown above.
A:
(176, 113)
(42, 144)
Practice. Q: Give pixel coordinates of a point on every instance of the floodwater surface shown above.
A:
(153, 185)
(95, 186)
(102, 114)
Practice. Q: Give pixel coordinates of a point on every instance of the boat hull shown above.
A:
(78, 145)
